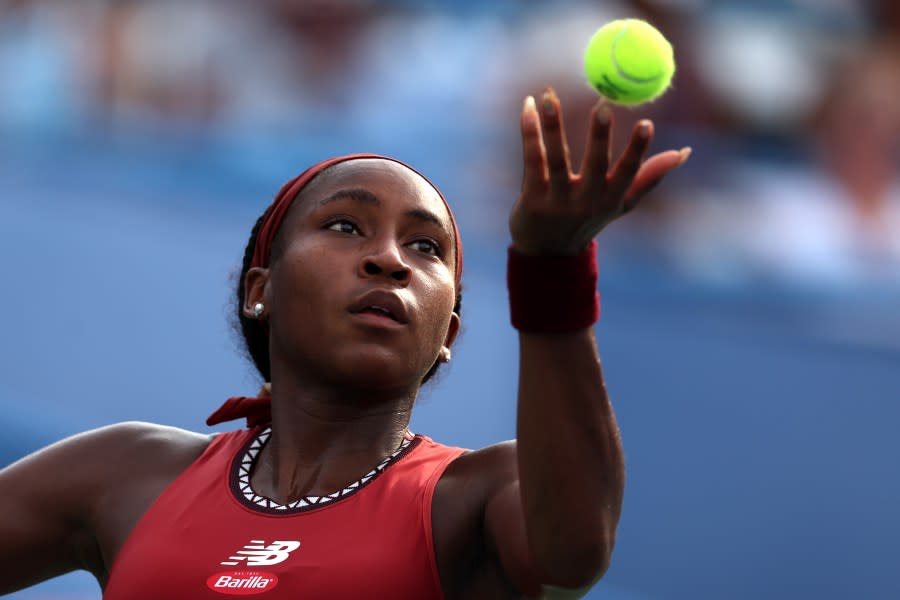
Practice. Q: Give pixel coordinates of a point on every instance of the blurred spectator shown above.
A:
(44, 74)
(833, 222)
(157, 60)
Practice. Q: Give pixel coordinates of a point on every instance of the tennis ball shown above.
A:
(629, 62)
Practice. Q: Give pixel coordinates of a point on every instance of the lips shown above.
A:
(383, 303)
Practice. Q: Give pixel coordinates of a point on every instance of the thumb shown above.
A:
(652, 172)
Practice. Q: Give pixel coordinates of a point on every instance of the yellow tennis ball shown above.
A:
(629, 62)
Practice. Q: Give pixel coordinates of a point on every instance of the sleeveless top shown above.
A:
(209, 535)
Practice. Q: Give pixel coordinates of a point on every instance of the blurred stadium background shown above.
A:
(750, 330)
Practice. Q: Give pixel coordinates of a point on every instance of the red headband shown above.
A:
(275, 213)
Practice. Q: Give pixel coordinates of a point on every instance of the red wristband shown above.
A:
(553, 294)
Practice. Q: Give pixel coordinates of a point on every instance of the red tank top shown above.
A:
(209, 535)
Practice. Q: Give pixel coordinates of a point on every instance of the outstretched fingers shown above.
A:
(534, 154)
(628, 165)
(597, 152)
(555, 145)
(608, 190)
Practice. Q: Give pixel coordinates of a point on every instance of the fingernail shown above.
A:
(643, 129)
(529, 105)
(530, 116)
(547, 102)
(685, 155)
(603, 113)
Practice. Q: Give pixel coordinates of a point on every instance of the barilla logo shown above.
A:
(242, 583)
(255, 554)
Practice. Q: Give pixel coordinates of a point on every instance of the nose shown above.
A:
(385, 260)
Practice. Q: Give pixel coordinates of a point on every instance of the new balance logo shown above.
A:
(257, 554)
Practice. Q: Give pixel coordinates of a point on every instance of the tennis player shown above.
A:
(349, 300)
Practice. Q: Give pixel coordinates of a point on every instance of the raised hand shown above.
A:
(559, 211)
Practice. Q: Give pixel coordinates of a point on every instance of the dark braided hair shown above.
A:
(254, 332)
(256, 339)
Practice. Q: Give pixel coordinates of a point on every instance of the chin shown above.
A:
(379, 371)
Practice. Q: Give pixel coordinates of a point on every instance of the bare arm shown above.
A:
(570, 464)
(571, 467)
(45, 513)
(70, 506)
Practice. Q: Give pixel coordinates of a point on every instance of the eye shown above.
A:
(343, 226)
(427, 246)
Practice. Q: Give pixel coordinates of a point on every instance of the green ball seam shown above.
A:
(620, 71)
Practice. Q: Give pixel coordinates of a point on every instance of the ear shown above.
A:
(452, 330)
(255, 284)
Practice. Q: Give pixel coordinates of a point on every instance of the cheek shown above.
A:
(301, 281)
(441, 299)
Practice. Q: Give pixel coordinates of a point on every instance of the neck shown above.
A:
(324, 438)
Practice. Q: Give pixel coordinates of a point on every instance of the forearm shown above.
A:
(571, 466)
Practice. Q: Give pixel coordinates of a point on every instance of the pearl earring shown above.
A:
(258, 309)
(445, 355)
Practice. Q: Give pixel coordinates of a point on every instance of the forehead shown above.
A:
(391, 182)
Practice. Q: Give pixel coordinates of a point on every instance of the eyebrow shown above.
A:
(366, 197)
(356, 194)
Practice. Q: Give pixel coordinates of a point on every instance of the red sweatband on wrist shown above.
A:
(553, 294)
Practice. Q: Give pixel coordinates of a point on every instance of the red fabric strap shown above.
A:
(258, 411)
(553, 294)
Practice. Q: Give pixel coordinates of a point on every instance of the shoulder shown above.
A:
(489, 466)
(128, 447)
(138, 439)
(473, 477)
(464, 500)
(72, 503)
(86, 468)
(118, 447)
(143, 460)
(471, 483)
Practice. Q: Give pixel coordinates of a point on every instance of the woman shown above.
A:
(349, 299)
